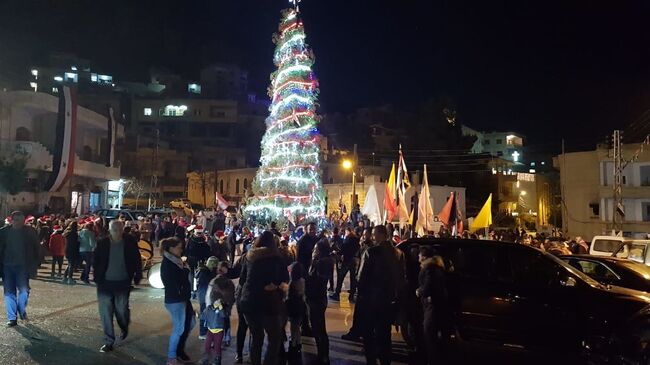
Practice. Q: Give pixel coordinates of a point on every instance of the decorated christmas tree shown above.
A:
(288, 183)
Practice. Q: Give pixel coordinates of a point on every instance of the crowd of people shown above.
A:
(286, 277)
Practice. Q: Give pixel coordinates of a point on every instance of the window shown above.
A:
(532, 269)
(487, 142)
(596, 270)
(624, 180)
(499, 153)
(644, 172)
(147, 111)
(23, 134)
(483, 264)
(173, 110)
(645, 211)
(499, 141)
(245, 184)
(221, 187)
(55, 90)
(237, 186)
(595, 209)
(216, 112)
(194, 88)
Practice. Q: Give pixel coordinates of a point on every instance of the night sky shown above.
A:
(550, 69)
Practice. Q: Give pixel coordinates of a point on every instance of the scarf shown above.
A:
(175, 260)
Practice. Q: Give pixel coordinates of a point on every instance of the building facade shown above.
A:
(586, 180)
(27, 124)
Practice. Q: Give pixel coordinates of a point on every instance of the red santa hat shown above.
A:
(44, 219)
(219, 233)
(57, 228)
(8, 220)
(191, 227)
(29, 219)
(198, 229)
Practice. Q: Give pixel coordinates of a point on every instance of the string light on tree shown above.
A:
(288, 183)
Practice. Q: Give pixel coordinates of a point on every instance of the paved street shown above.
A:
(64, 328)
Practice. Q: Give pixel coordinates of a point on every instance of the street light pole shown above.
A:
(354, 189)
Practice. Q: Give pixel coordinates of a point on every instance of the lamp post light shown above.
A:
(349, 165)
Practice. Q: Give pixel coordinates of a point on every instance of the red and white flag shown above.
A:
(220, 201)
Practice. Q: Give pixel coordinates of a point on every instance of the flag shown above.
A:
(484, 217)
(425, 209)
(371, 206)
(402, 174)
(450, 215)
(220, 201)
(65, 141)
(390, 207)
(402, 209)
(112, 137)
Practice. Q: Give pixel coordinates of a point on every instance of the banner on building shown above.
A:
(112, 137)
(65, 141)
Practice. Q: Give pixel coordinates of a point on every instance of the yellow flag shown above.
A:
(484, 217)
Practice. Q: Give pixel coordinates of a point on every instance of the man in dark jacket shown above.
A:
(305, 246)
(198, 251)
(231, 243)
(117, 265)
(349, 250)
(382, 275)
(219, 223)
(19, 260)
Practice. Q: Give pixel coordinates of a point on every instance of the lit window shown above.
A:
(71, 76)
(532, 171)
(174, 110)
(34, 86)
(147, 111)
(543, 163)
(58, 78)
(93, 77)
(105, 79)
(532, 164)
(55, 90)
(73, 68)
(194, 88)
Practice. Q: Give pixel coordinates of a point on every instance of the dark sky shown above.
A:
(549, 69)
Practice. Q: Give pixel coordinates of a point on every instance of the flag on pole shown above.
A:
(220, 201)
(425, 209)
(484, 217)
(402, 173)
(402, 209)
(450, 215)
(390, 207)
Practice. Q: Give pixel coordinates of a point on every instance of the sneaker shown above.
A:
(12, 323)
(202, 337)
(335, 297)
(106, 348)
(239, 359)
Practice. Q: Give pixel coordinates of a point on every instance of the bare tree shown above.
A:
(135, 188)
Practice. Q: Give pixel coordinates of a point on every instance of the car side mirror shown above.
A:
(568, 282)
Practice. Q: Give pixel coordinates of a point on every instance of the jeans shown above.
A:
(16, 279)
(319, 330)
(114, 301)
(87, 258)
(182, 323)
(272, 325)
(72, 266)
(347, 267)
(57, 260)
(242, 327)
(200, 293)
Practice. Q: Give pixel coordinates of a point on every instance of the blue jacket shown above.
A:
(215, 318)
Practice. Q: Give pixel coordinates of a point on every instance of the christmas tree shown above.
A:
(288, 183)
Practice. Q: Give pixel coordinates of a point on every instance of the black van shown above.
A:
(511, 295)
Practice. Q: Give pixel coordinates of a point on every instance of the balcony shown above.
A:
(95, 170)
(628, 192)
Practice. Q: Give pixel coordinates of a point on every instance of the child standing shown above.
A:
(296, 307)
(214, 318)
(222, 288)
(57, 248)
(204, 275)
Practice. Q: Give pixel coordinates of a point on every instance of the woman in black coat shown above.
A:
(71, 251)
(175, 273)
(320, 272)
(266, 281)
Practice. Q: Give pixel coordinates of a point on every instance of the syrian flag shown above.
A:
(64, 155)
(220, 201)
(112, 137)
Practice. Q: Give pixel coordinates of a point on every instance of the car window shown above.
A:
(637, 252)
(595, 269)
(533, 269)
(606, 245)
(482, 263)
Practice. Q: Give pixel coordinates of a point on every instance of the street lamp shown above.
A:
(349, 165)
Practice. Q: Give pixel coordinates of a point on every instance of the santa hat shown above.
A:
(57, 228)
(44, 219)
(29, 219)
(219, 233)
(8, 220)
(191, 227)
(198, 229)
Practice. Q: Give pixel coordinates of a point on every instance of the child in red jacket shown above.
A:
(57, 248)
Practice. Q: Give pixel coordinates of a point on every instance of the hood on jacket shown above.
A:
(431, 262)
(259, 253)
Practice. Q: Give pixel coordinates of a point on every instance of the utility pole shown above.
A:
(153, 185)
(619, 209)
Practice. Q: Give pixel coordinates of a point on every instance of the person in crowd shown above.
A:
(166, 229)
(217, 246)
(274, 229)
(381, 278)
(223, 289)
(335, 244)
(71, 251)
(296, 309)
(156, 222)
(201, 219)
(432, 292)
(57, 249)
(355, 215)
(175, 275)
(214, 317)
(19, 260)
(231, 243)
(116, 266)
(242, 326)
(265, 281)
(581, 247)
(304, 249)
(87, 244)
(198, 251)
(354, 334)
(316, 294)
(349, 250)
(205, 273)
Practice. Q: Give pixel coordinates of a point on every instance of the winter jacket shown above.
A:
(316, 282)
(296, 306)
(349, 248)
(304, 249)
(197, 251)
(221, 287)
(132, 259)
(57, 245)
(264, 266)
(71, 244)
(231, 241)
(87, 241)
(433, 287)
(176, 281)
(215, 318)
(217, 249)
(203, 277)
(382, 275)
(32, 248)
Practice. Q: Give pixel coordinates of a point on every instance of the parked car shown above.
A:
(129, 215)
(612, 271)
(515, 296)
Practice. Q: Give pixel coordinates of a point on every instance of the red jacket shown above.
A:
(57, 244)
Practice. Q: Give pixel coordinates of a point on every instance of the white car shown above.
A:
(631, 249)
